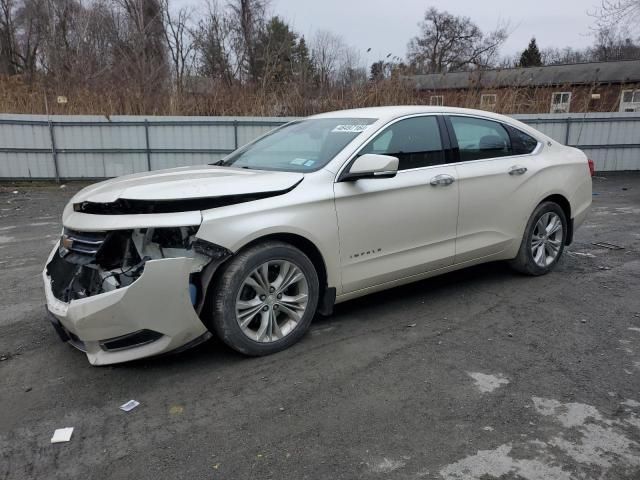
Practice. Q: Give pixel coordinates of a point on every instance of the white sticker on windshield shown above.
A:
(349, 128)
(308, 163)
(298, 161)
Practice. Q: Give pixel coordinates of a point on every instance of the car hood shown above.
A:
(187, 183)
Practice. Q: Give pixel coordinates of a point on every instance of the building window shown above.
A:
(630, 101)
(436, 100)
(560, 102)
(488, 100)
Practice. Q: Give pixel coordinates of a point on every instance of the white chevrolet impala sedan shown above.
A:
(317, 212)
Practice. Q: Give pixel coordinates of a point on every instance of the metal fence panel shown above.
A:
(89, 146)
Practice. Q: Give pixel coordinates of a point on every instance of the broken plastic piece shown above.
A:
(62, 435)
(130, 405)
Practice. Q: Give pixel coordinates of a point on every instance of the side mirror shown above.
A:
(371, 165)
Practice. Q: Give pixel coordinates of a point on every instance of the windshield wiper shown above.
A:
(219, 163)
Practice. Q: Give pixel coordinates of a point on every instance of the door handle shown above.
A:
(517, 170)
(442, 180)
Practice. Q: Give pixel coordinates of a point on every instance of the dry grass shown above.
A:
(18, 96)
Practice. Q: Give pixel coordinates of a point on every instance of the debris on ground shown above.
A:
(62, 435)
(584, 320)
(130, 405)
(608, 245)
(176, 409)
(582, 254)
(411, 325)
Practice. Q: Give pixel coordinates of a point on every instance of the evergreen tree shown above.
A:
(275, 53)
(531, 56)
(377, 71)
(303, 66)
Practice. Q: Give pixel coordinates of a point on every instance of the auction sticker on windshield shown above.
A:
(349, 128)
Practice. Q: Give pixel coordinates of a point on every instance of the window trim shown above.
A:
(441, 104)
(568, 103)
(490, 105)
(456, 149)
(448, 138)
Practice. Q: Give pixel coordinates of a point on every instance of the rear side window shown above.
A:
(479, 138)
(521, 143)
(414, 141)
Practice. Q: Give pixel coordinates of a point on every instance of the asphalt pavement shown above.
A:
(478, 374)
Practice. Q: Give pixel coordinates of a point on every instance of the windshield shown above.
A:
(301, 146)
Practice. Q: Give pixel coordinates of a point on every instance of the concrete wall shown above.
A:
(37, 147)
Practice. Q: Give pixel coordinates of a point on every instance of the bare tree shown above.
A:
(614, 44)
(247, 20)
(141, 48)
(351, 71)
(618, 13)
(326, 51)
(180, 41)
(22, 27)
(8, 54)
(447, 42)
(213, 45)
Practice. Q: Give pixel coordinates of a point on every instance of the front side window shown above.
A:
(302, 146)
(479, 139)
(414, 141)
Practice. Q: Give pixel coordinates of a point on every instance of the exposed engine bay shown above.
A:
(91, 263)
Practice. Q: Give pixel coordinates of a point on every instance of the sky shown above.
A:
(386, 26)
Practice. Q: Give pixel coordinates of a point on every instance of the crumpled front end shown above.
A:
(128, 294)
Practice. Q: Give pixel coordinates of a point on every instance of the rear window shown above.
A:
(521, 143)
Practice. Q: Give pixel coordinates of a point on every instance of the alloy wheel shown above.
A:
(546, 240)
(272, 300)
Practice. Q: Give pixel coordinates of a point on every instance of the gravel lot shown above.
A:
(478, 374)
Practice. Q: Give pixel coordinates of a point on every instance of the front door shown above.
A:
(393, 228)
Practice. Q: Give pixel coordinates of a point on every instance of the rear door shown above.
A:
(495, 170)
(392, 228)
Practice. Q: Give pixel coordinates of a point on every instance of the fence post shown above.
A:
(54, 151)
(567, 131)
(235, 134)
(146, 139)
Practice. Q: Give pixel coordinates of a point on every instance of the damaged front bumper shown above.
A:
(151, 314)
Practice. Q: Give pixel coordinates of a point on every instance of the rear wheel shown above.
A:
(265, 299)
(543, 241)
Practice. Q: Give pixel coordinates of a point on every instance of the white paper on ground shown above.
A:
(130, 405)
(62, 435)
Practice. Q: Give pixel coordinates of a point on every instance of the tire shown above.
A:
(529, 259)
(239, 290)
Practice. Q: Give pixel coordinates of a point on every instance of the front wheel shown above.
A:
(543, 240)
(265, 299)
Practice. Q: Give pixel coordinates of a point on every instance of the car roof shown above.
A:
(391, 112)
(388, 113)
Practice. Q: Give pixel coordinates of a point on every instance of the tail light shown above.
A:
(592, 167)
